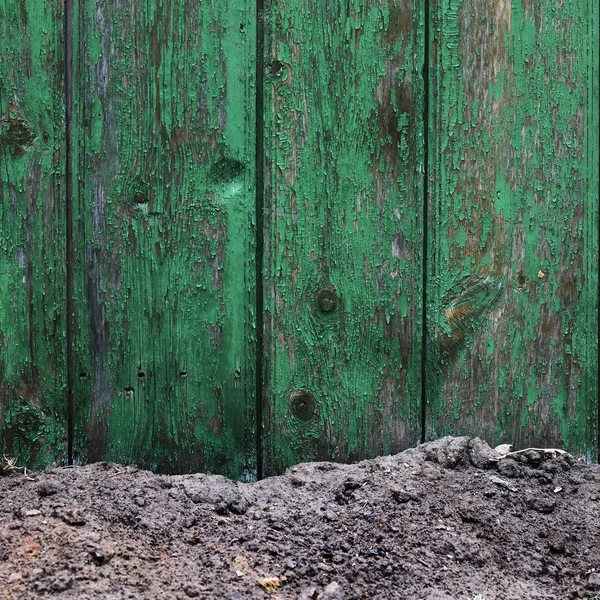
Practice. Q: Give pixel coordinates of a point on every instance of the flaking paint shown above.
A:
(165, 228)
(513, 163)
(165, 235)
(343, 202)
(32, 255)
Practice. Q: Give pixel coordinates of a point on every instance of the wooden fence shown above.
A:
(235, 236)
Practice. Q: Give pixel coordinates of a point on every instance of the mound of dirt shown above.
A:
(437, 522)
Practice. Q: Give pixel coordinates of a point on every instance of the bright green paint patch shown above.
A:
(460, 239)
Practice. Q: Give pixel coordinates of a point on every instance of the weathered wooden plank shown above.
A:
(32, 233)
(165, 273)
(343, 101)
(513, 222)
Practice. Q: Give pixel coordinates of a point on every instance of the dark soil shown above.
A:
(436, 522)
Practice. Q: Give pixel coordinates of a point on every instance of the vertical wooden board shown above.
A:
(343, 98)
(164, 234)
(33, 401)
(512, 292)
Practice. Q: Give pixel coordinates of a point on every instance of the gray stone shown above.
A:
(593, 582)
(309, 593)
(334, 591)
(510, 468)
(480, 453)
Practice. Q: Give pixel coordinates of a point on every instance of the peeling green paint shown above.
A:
(514, 151)
(32, 256)
(165, 230)
(344, 189)
(165, 235)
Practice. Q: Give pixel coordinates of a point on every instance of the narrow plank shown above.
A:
(513, 228)
(32, 234)
(343, 241)
(164, 234)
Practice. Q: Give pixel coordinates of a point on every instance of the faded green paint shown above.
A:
(165, 229)
(32, 250)
(513, 162)
(164, 235)
(343, 214)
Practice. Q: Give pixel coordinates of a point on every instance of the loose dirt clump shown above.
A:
(439, 522)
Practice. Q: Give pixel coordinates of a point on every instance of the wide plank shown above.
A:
(512, 284)
(343, 229)
(33, 397)
(165, 235)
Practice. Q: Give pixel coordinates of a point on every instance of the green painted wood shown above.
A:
(32, 226)
(343, 105)
(165, 235)
(512, 284)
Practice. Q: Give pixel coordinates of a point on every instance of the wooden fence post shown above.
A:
(513, 222)
(164, 235)
(32, 234)
(344, 202)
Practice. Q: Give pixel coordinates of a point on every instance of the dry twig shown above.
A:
(544, 450)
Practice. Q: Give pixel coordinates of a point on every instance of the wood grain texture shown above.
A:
(343, 243)
(164, 233)
(33, 398)
(513, 222)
